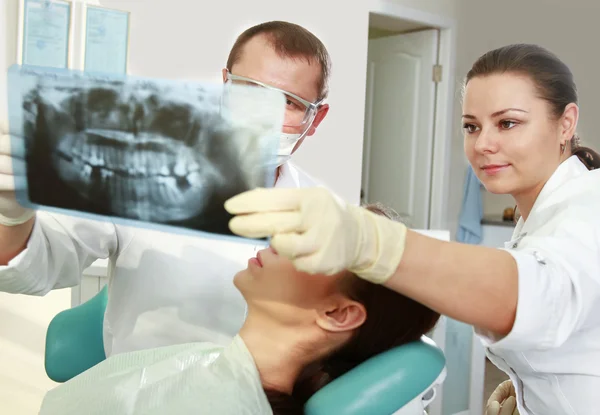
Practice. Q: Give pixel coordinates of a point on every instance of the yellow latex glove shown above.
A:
(320, 233)
(11, 212)
(503, 400)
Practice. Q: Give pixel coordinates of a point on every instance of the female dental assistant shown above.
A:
(534, 303)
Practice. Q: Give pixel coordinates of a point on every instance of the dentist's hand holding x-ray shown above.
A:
(11, 212)
(16, 221)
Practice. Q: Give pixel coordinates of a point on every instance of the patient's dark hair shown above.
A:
(552, 78)
(392, 320)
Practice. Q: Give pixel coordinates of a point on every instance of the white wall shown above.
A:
(8, 45)
(23, 324)
(446, 8)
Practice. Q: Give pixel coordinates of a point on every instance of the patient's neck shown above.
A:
(280, 352)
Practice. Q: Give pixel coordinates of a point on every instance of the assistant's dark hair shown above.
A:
(552, 78)
(392, 320)
(289, 40)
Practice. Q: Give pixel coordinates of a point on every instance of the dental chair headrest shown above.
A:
(383, 384)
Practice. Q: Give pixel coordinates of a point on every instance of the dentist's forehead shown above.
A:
(261, 62)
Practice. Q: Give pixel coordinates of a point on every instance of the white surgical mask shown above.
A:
(287, 142)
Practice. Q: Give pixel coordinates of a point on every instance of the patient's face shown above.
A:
(270, 282)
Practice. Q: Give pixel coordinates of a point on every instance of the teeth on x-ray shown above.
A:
(144, 151)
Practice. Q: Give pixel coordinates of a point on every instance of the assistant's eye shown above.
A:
(470, 128)
(507, 125)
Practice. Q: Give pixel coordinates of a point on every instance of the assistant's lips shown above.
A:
(494, 168)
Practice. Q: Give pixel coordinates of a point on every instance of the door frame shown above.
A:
(444, 113)
(442, 147)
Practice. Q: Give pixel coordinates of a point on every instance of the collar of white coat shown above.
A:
(288, 176)
(291, 176)
(567, 170)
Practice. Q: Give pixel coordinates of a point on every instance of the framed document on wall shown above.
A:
(106, 40)
(44, 38)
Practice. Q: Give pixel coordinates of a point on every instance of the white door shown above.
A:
(399, 120)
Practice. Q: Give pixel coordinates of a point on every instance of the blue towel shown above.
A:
(470, 230)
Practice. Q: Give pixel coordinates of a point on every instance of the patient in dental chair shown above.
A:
(301, 332)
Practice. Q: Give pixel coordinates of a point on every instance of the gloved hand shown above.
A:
(319, 233)
(503, 400)
(11, 213)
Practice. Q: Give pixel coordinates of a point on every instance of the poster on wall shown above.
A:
(46, 28)
(106, 40)
(144, 152)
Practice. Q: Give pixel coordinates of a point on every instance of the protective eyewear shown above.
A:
(298, 111)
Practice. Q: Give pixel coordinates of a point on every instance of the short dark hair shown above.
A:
(289, 40)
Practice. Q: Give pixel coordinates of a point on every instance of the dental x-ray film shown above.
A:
(143, 152)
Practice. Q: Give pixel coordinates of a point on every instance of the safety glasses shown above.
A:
(298, 111)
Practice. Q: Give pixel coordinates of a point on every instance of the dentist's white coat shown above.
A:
(552, 354)
(164, 288)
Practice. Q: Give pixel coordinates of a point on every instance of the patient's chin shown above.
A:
(241, 279)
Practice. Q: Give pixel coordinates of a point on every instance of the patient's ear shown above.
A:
(344, 315)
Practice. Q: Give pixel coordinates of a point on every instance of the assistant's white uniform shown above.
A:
(164, 288)
(552, 354)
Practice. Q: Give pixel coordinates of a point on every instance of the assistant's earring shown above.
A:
(562, 149)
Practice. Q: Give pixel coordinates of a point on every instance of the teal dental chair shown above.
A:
(401, 381)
